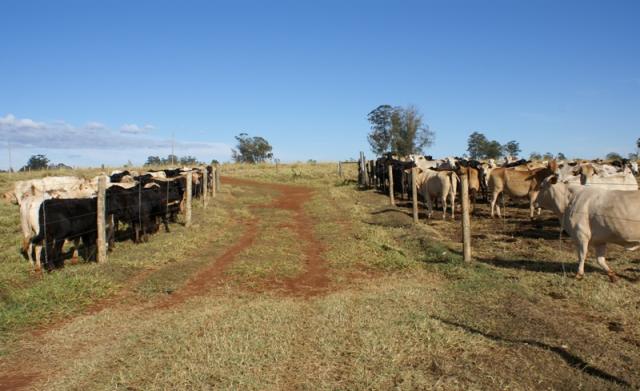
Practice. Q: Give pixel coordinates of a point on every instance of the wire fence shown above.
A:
(57, 206)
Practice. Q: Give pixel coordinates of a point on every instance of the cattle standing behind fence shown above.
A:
(56, 210)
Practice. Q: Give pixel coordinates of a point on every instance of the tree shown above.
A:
(36, 162)
(547, 156)
(398, 130)
(492, 150)
(476, 145)
(561, 156)
(188, 161)
(380, 136)
(512, 148)
(614, 156)
(171, 159)
(251, 149)
(480, 147)
(535, 156)
(153, 161)
(408, 133)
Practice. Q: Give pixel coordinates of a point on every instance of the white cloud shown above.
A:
(149, 127)
(11, 122)
(130, 140)
(131, 129)
(95, 125)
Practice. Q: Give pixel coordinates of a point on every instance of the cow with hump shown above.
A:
(593, 217)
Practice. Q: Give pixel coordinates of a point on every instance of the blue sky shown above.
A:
(90, 83)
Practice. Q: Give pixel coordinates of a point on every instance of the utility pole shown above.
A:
(10, 163)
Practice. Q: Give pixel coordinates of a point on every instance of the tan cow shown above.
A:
(518, 184)
(437, 184)
(594, 217)
(473, 176)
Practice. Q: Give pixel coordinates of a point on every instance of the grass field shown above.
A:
(295, 279)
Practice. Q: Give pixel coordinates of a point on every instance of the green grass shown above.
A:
(404, 311)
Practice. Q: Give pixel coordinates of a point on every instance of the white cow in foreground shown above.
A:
(437, 184)
(594, 217)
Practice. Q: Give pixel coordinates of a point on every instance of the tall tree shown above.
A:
(251, 149)
(398, 130)
(380, 136)
(492, 150)
(614, 156)
(36, 162)
(535, 156)
(547, 156)
(476, 144)
(409, 133)
(512, 148)
(561, 156)
(153, 161)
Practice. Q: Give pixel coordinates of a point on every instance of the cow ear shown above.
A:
(553, 179)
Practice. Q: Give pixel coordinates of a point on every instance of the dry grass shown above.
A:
(405, 311)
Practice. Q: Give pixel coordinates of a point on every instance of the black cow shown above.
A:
(65, 219)
(172, 173)
(117, 178)
(139, 207)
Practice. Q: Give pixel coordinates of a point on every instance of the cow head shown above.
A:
(554, 195)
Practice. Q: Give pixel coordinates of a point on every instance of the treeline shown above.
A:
(172, 160)
(402, 131)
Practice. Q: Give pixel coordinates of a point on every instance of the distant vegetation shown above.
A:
(172, 160)
(400, 130)
(41, 162)
(251, 149)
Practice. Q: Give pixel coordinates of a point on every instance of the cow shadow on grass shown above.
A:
(551, 267)
(569, 358)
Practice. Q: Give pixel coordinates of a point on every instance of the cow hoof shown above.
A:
(74, 261)
(579, 276)
(612, 277)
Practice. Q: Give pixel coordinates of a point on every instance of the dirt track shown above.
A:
(312, 281)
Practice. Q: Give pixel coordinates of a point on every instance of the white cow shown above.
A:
(438, 184)
(592, 175)
(594, 217)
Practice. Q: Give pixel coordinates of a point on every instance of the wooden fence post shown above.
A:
(391, 195)
(214, 187)
(414, 193)
(466, 219)
(218, 172)
(187, 222)
(101, 243)
(340, 169)
(205, 187)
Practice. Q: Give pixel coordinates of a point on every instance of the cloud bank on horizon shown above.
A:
(94, 143)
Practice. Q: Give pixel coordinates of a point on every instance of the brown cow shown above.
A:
(517, 183)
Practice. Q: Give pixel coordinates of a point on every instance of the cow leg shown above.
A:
(37, 249)
(165, 222)
(74, 257)
(583, 249)
(601, 252)
(444, 206)
(453, 205)
(427, 197)
(494, 199)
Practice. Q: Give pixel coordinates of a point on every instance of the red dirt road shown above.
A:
(313, 281)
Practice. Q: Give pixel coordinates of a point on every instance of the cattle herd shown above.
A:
(57, 209)
(595, 201)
